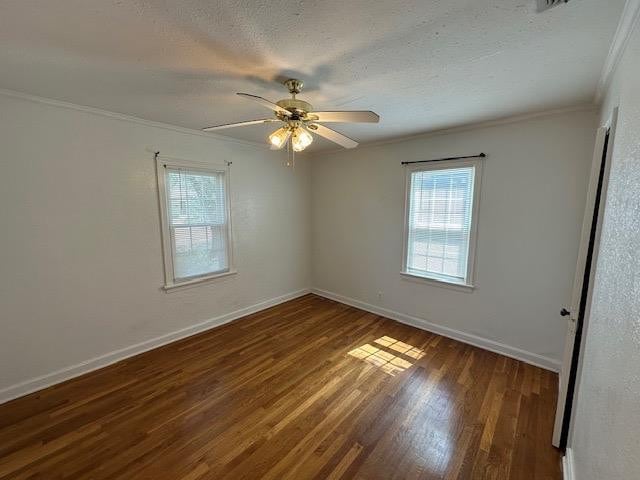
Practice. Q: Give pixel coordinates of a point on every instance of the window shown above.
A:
(194, 202)
(440, 225)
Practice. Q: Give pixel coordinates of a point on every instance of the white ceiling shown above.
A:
(421, 64)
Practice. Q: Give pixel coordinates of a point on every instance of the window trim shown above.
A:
(162, 163)
(469, 283)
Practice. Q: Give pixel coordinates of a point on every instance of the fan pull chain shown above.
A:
(290, 154)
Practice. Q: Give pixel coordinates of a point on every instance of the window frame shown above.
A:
(162, 163)
(469, 283)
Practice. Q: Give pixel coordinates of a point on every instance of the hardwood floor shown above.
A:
(310, 389)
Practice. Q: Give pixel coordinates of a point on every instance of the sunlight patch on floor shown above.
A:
(388, 354)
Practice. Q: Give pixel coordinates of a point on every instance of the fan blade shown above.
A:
(266, 103)
(239, 124)
(332, 135)
(355, 116)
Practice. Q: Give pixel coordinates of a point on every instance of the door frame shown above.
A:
(583, 281)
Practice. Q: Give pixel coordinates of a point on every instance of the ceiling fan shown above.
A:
(299, 120)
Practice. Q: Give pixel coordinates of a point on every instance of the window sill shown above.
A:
(461, 287)
(172, 287)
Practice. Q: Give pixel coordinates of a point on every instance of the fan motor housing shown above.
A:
(294, 105)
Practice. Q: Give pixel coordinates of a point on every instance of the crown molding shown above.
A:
(587, 107)
(629, 18)
(261, 146)
(127, 118)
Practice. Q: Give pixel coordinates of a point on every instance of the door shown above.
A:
(577, 315)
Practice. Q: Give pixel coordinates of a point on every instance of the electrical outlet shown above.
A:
(380, 295)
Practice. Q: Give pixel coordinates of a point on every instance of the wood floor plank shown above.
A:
(309, 389)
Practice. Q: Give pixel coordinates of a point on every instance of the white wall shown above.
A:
(531, 208)
(605, 441)
(80, 246)
(81, 250)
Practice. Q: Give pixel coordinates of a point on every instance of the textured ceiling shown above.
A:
(422, 65)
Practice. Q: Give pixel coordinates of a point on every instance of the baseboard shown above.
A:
(567, 466)
(67, 373)
(491, 345)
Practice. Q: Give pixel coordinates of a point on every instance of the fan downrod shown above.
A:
(299, 108)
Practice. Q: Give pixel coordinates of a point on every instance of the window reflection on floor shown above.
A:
(388, 354)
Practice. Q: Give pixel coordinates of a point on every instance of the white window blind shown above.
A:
(197, 221)
(439, 223)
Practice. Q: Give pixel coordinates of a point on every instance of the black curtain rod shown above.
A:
(481, 155)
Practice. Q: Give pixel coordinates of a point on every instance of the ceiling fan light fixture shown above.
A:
(300, 139)
(299, 120)
(279, 138)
